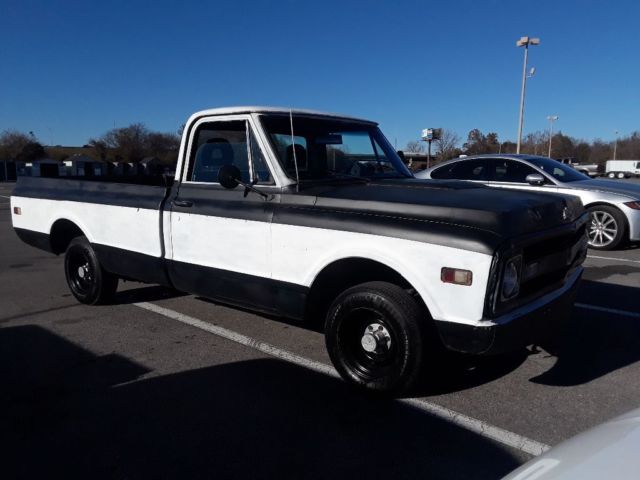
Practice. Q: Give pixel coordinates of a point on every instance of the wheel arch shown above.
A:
(600, 203)
(347, 272)
(62, 231)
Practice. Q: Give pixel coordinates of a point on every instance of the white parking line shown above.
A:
(613, 258)
(4, 196)
(624, 313)
(479, 427)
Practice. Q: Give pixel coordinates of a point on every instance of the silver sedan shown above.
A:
(614, 206)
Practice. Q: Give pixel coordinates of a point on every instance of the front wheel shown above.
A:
(607, 227)
(374, 336)
(87, 280)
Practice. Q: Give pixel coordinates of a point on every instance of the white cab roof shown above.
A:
(280, 110)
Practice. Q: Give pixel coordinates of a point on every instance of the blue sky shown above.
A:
(72, 70)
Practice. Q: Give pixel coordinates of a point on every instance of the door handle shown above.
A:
(182, 203)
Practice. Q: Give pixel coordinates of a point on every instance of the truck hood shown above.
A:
(464, 207)
(609, 186)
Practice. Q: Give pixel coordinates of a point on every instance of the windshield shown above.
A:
(557, 170)
(329, 149)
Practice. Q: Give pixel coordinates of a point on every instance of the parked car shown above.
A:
(614, 207)
(609, 450)
(622, 168)
(330, 226)
(590, 169)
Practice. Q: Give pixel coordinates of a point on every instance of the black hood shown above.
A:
(463, 212)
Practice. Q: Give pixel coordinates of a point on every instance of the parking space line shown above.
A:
(4, 196)
(624, 313)
(474, 425)
(613, 258)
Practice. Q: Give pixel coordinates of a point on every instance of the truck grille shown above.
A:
(547, 260)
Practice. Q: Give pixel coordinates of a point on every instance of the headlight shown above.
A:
(511, 278)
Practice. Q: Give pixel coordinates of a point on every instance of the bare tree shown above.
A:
(416, 147)
(447, 144)
(12, 143)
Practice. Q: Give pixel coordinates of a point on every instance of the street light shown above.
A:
(551, 118)
(615, 146)
(524, 42)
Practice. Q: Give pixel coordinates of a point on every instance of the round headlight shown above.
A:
(510, 280)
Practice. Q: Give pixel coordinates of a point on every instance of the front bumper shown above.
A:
(536, 322)
(633, 217)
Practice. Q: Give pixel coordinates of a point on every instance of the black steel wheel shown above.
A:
(374, 337)
(87, 280)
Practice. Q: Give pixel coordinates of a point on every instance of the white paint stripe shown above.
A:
(239, 338)
(613, 258)
(624, 313)
(4, 196)
(479, 427)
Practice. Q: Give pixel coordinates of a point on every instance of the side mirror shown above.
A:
(228, 176)
(535, 179)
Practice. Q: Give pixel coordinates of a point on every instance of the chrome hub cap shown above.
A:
(376, 339)
(603, 229)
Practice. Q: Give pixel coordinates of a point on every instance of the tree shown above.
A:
(447, 145)
(99, 147)
(478, 143)
(128, 144)
(416, 147)
(12, 143)
(32, 151)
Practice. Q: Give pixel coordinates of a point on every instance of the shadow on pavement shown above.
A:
(597, 343)
(147, 293)
(67, 411)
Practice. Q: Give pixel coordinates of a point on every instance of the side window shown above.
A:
(462, 170)
(216, 144)
(511, 171)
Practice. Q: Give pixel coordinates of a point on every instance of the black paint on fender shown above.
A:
(35, 239)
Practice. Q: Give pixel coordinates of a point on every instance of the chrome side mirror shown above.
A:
(535, 179)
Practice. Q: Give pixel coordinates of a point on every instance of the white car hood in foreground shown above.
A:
(609, 186)
(610, 450)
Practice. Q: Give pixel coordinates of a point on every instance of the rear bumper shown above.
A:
(537, 322)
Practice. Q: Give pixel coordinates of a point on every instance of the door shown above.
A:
(505, 173)
(221, 238)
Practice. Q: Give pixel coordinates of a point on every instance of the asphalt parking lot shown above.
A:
(134, 391)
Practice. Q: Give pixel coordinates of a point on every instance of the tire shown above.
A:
(87, 280)
(611, 175)
(607, 228)
(393, 368)
(621, 175)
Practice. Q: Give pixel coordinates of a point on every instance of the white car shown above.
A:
(614, 206)
(609, 451)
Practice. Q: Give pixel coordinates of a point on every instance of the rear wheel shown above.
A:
(87, 280)
(374, 336)
(611, 175)
(607, 227)
(621, 175)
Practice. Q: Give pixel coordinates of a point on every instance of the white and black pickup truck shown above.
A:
(313, 216)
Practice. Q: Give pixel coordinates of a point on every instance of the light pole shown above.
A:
(551, 118)
(615, 146)
(524, 42)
